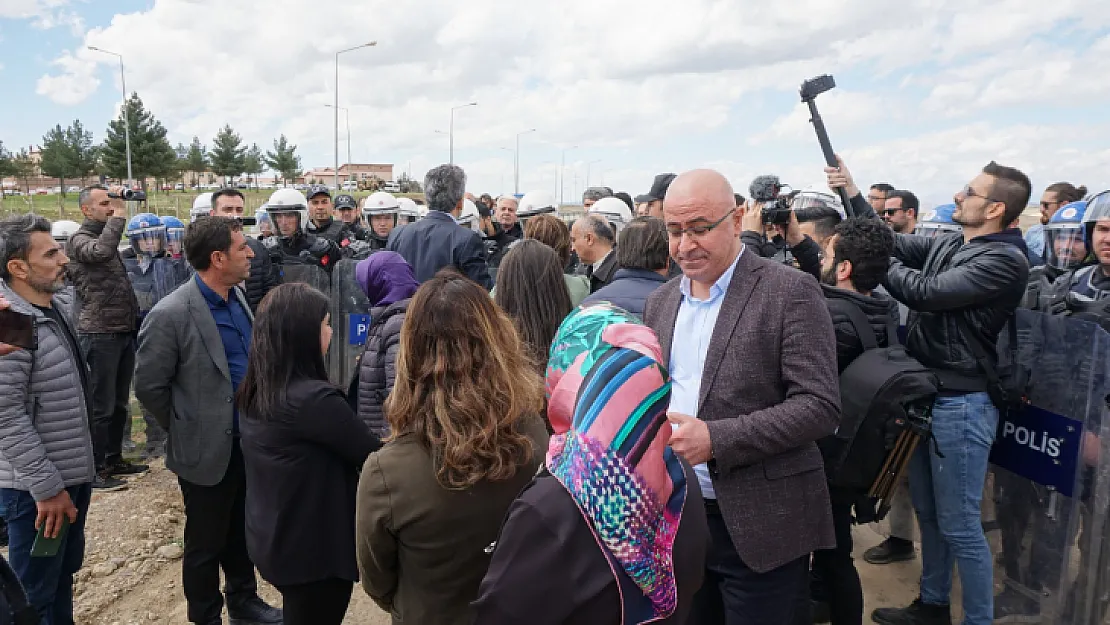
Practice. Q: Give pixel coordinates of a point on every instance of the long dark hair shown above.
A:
(285, 346)
(532, 290)
(463, 385)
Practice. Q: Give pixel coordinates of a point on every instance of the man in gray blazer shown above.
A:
(192, 355)
(752, 357)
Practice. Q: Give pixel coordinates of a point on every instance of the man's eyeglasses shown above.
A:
(969, 192)
(890, 212)
(697, 230)
(1047, 205)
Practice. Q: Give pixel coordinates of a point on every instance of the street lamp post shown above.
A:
(126, 120)
(347, 117)
(516, 161)
(336, 106)
(451, 156)
(563, 171)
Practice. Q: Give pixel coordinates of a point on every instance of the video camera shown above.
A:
(129, 195)
(768, 190)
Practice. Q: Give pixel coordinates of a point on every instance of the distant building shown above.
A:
(348, 171)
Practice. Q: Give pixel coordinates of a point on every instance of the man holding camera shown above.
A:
(106, 326)
(961, 289)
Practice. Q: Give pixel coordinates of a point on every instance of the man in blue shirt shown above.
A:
(193, 350)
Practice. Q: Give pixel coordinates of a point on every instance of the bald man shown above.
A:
(752, 358)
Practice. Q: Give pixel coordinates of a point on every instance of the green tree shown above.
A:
(228, 156)
(82, 150)
(196, 160)
(57, 158)
(283, 160)
(252, 163)
(408, 185)
(23, 169)
(151, 153)
(7, 168)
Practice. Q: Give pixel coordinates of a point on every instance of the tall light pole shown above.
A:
(126, 121)
(563, 171)
(336, 106)
(516, 161)
(451, 158)
(588, 166)
(346, 116)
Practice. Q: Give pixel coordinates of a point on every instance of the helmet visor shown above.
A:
(1065, 246)
(148, 241)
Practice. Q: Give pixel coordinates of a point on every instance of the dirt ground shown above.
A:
(132, 572)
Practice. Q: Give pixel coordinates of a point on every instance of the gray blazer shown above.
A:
(182, 379)
(769, 390)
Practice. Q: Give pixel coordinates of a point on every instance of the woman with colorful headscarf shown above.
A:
(613, 530)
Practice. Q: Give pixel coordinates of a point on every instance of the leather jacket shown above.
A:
(939, 278)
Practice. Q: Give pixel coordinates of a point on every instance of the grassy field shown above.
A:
(175, 203)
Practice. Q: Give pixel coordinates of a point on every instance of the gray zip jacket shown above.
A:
(45, 444)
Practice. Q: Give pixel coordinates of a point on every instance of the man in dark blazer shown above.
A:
(193, 350)
(437, 240)
(752, 356)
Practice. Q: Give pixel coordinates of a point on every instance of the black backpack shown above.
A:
(877, 391)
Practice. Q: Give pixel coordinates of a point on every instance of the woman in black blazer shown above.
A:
(302, 446)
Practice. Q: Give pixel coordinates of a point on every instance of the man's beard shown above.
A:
(966, 221)
(46, 286)
(828, 276)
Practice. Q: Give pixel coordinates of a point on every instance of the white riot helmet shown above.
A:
(62, 229)
(202, 206)
(537, 203)
(817, 199)
(285, 201)
(408, 211)
(469, 217)
(614, 210)
(381, 203)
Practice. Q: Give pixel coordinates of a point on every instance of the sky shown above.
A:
(928, 91)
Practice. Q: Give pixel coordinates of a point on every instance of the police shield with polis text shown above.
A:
(350, 321)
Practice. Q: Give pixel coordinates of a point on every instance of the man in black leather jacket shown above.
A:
(959, 288)
(264, 275)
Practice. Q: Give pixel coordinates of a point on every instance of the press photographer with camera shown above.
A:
(771, 209)
(107, 324)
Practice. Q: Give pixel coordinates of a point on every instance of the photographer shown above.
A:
(790, 236)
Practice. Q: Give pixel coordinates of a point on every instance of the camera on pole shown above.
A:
(809, 92)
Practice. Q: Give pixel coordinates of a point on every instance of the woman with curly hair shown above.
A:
(466, 437)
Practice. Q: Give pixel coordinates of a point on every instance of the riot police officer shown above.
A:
(288, 209)
(1065, 249)
(381, 210)
(175, 236)
(346, 211)
(1083, 292)
(321, 223)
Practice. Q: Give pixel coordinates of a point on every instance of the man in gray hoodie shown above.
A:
(46, 456)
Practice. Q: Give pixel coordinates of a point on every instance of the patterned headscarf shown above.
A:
(607, 402)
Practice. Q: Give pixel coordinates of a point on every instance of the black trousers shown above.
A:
(215, 538)
(835, 578)
(316, 603)
(733, 594)
(111, 360)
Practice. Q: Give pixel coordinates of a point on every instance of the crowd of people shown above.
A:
(634, 417)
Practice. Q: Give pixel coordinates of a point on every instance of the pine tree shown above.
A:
(252, 163)
(196, 160)
(57, 158)
(228, 156)
(7, 168)
(284, 160)
(83, 151)
(151, 153)
(23, 169)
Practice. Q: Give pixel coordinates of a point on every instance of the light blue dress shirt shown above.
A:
(693, 329)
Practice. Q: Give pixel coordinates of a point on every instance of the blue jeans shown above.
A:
(48, 581)
(947, 494)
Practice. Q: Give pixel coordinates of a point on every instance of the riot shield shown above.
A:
(1050, 486)
(350, 320)
(311, 275)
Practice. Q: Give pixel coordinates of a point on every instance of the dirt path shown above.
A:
(132, 572)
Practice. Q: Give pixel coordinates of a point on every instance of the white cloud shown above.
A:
(650, 85)
(43, 14)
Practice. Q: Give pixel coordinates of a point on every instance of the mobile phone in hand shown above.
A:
(17, 329)
(44, 547)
